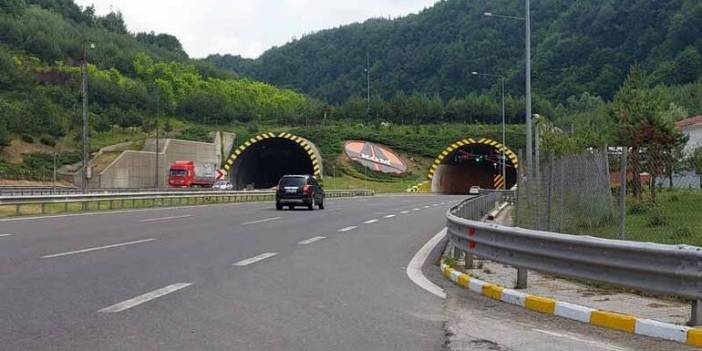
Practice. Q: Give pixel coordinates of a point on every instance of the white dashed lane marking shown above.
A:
(370, 221)
(164, 218)
(405, 212)
(124, 305)
(389, 216)
(311, 240)
(97, 248)
(261, 221)
(1, 235)
(255, 259)
(347, 228)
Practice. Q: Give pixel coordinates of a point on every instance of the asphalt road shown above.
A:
(244, 277)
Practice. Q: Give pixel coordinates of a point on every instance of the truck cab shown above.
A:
(181, 174)
(188, 174)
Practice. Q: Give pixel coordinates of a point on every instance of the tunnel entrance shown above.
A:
(262, 161)
(469, 163)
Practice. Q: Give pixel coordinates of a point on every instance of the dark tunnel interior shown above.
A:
(261, 165)
(470, 165)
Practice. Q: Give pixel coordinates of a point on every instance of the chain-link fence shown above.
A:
(583, 194)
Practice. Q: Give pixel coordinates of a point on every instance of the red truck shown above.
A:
(190, 174)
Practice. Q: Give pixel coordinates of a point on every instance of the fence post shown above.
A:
(622, 192)
(549, 192)
(522, 274)
(696, 315)
(561, 197)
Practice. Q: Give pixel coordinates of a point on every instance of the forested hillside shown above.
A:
(132, 77)
(578, 46)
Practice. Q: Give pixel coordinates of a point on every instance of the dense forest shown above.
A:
(132, 77)
(578, 47)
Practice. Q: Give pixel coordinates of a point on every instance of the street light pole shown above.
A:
(504, 133)
(528, 117)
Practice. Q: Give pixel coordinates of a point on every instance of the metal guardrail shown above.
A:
(674, 270)
(61, 190)
(42, 204)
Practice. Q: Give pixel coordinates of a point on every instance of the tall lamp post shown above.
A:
(527, 20)
(503, 159)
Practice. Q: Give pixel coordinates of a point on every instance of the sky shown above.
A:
(246, 27)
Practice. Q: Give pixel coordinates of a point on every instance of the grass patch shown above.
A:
(675, 219)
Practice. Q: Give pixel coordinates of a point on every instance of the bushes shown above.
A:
(48, 141)
(195, 134)
(27, 138)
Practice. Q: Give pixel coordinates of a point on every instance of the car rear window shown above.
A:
(292, 181)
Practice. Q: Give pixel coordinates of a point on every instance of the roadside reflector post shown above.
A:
(696, 315)
(521, 278)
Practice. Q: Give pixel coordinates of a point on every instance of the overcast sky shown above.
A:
(246, 27)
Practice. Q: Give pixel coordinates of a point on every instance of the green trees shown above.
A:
(639, 113)
(696, 162)
(579, 46)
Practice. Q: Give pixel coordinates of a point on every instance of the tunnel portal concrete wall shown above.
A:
(136, 169)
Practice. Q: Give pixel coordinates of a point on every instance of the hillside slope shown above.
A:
(578, 46)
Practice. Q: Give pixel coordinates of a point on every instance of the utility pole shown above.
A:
(86, 140)
(504, 132)
(158, 113)
(367, 86)
(504, 137)
(530, 150)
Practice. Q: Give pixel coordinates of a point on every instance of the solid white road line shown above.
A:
(584, 341)
(164, 218)
(1, 235)
(389, 216)
(255, 259)
(261, 221)
(347, 228)
(97, 248)
(124, 305)
(370, 221)
(311, 240)
(414, 268)
(405, 212)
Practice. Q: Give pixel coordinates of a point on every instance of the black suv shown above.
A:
(299, 190)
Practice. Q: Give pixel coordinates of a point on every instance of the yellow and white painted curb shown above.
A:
(606, 319)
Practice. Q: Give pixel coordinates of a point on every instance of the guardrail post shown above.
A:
(468, 261)
(43, 208)
(65, 207)
(521, 278)
(17, 209)
(696, 315)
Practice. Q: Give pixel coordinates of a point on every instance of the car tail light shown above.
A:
(306, 189)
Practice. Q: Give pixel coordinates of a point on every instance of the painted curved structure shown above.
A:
(261, 161)
(472, 162)
(376, 157)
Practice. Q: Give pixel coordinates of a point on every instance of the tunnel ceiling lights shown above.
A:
(316, 164)
(470, 141)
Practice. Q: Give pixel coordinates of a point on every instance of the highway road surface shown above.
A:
(247, 277)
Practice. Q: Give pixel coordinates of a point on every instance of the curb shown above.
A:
(601, 318)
